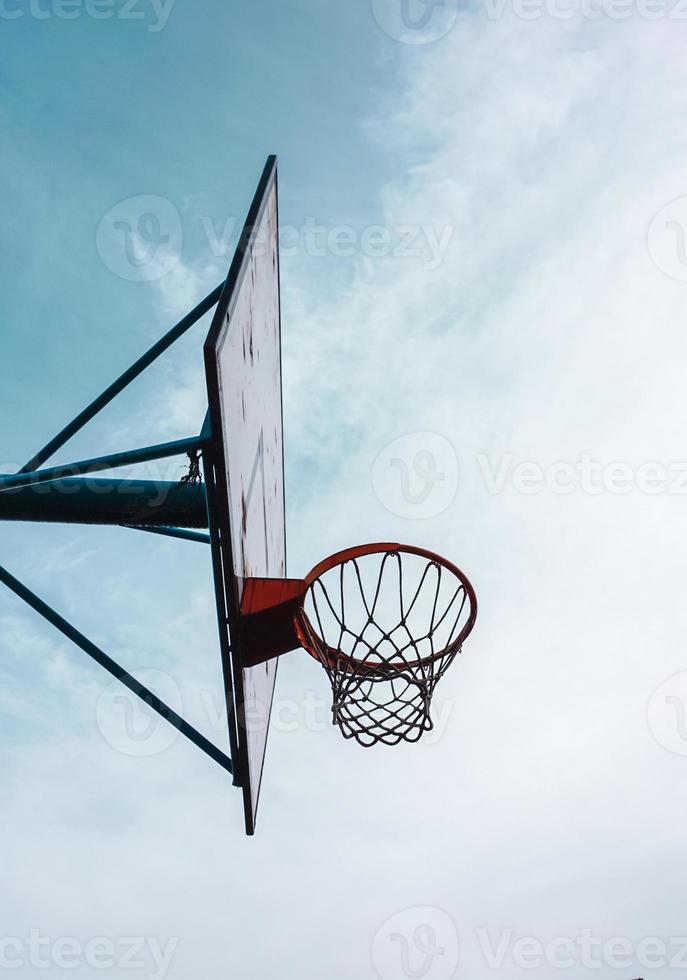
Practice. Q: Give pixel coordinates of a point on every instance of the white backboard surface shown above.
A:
(243, 362)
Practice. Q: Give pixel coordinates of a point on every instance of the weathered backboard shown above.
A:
(243, 367)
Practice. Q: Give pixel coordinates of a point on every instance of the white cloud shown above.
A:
(547, 333)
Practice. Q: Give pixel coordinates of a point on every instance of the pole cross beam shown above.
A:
(117, 503)
(99, 463)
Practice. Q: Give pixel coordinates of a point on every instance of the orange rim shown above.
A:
(336, 658)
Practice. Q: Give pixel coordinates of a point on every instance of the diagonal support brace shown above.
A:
(173, 532)
(124, 380)
(140, 690)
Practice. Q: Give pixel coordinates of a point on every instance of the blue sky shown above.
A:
(97, 111)
(531, 341)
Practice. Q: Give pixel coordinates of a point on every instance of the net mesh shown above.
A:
(194, 475)
(386, 627)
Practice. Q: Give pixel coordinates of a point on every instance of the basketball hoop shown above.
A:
(386, 621)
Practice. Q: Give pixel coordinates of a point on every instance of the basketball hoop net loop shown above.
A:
(386, 621)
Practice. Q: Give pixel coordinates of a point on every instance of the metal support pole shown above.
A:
(133, 456)
(125, 379)
(113, 668)
(89, 500)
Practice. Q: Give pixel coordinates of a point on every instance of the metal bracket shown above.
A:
(267, 610)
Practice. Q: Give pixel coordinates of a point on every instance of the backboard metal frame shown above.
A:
(229, 584)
